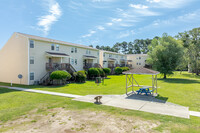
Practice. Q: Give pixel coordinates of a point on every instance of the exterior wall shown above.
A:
(14, 60)
(138, 60)
(105, 59)
(40, 57)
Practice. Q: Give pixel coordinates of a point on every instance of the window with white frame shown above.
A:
(52, 47)
(57, 47)
(139, 63)
(72, 61)
(139, 58)
(75, 62)
(110, 55)
(104, 55)
(72, 50)
(31, 76)
(31, 42)
(75, 50)
(31, 60)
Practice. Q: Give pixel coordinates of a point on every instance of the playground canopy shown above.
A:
(143, 71)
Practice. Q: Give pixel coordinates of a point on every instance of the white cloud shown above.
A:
(153, 1)
(109, 24)
(138, 6)
(116, 20)
(54, 12)
(90, 34)
(100, 28)
(125, 34)
(169, 3)
(103, 0)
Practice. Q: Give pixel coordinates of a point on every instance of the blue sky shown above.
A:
(97, 22)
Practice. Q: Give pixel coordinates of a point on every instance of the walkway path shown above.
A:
(133, 102)
(43, 92)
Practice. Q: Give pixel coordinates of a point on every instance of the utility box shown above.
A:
(98, 80)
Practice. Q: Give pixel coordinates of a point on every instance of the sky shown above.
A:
(97, 22)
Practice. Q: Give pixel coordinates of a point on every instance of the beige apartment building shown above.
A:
(33, 58)
(137, 60)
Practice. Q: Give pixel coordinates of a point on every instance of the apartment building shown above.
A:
(35, 57)
(137, 60)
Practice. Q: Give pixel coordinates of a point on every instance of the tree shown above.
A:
(91, 46)
(165, 54)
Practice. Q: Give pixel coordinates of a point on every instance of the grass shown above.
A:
(182, 89)
(14, 104)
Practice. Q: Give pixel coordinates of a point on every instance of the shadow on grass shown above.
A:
(179, 81)
(5, 90)
(191, 76)
(162, 98)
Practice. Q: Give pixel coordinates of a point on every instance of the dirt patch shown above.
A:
(67, 121)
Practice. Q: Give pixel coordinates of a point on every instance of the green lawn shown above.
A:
(14, 104)
(183, 89)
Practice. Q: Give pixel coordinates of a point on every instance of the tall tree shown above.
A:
(165, 54)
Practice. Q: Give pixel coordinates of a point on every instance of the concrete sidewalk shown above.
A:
(141, 103)
(43, 92)
(133, 102)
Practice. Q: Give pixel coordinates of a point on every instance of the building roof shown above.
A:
(55, 41)
(110, 52)
(142, 70)
(89, 56)
(137, 54)
(57, 54)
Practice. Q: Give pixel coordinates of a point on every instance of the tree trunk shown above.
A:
(165, 76)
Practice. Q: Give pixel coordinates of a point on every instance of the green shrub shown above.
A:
(93, 72)
(118, 70)
(101, 72)
(60, 76)
(84, 72)
(125, 68)
(80, 76)
(107, 71)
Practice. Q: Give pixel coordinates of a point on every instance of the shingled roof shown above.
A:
(142, 70)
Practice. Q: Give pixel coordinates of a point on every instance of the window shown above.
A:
(31, 76)
(122, 57)
(72, 61)
(31, 60)
(116, 56)
(139, 58)
(31, 43)
(57, 47)
(72, 50)
(75, 50)
(139, 63)
(52, 46)
(75, 62)
(97, 53)
(110, 55)
(104, 55)
(88, 51)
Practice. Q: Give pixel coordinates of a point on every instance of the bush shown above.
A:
(84, 72)
(107, 71)
(101, 72)
(125, 68)
(60, 76)
(118, 70)
(93, 72)
(80, 76)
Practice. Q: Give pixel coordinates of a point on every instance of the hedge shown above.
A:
(107, 71)
(125, 68)
(118, 70)
(80, 76)
(101, 72)
(60, 76)
(93, 72)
